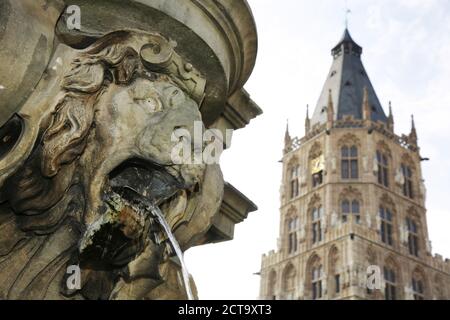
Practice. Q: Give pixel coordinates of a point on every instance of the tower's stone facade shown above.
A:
(353, 218)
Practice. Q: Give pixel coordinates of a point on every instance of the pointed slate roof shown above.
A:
(347, 81)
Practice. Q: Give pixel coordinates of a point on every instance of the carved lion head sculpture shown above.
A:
(95, 142)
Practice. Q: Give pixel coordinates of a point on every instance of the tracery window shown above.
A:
(350, 208)
(386, 227)
(294, 185)
(413, 237)
(316, 283)
(383, 168)
(316, 216)
(349, 162)
(408, 185)
(293, 225)
(390, 278)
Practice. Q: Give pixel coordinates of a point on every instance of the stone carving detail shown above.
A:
(375, 165)
(378, 221)
(349, 140)
(403, 228)
(324, 222)
(384, 147)
(101, 128)
(368, 220)
(303, 176)
(423, 191)
(333, 164)
(365, 163)
(429, 247)
(334, 219)
(301, 289)
(315, 151)
(302, 233)
(399, 177)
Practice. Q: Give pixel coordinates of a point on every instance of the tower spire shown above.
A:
(307, 120)
(287, 138)
(347, 79)
(413, 135)
(390, 123)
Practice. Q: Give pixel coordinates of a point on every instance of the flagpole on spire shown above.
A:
(347, 13)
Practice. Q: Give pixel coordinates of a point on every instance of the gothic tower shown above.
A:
(353, 219)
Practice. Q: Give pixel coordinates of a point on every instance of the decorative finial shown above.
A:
(287, 138)
(307, 120)
(413, 135)
(390, 118)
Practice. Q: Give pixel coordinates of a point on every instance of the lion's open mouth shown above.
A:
(129, 222)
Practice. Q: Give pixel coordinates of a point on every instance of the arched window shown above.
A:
(271, 290)
(316, 283)
(386, 226)
(294, 189)
(390, 278)
(292, 227)
(316, 216)
(418, 285)
(314, 275)
(383, 168)
(408, 185)
(413, 237)
(334, 278)
(349, 162)
(289, 282)
(350, 208)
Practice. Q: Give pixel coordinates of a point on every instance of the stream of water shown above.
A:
(187, 285)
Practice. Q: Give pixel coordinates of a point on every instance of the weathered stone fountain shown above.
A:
(92, 205)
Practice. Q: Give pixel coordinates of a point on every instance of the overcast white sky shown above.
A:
(407, 56)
